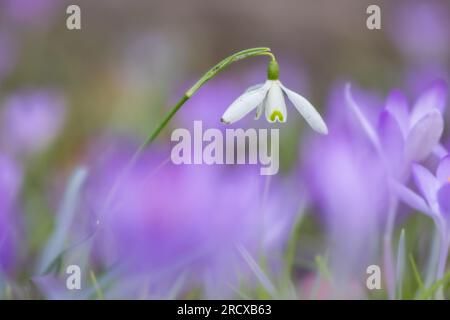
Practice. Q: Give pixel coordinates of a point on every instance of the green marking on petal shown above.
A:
(276, 114)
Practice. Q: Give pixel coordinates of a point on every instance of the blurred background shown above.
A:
(67, 96)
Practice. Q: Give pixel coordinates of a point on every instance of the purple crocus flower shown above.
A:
(31, 120)
(401, 136)
(27, 11)
(420, 29)
(10, 182)
(345, 180)
(433, 201)
(169, 226)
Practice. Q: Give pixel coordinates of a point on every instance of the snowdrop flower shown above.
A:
(269, 98)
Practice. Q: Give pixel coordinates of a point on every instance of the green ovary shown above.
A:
(276, 114)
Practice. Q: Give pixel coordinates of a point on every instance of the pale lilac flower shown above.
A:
(418, 77)
(433, 201)
(348, 185)
(31, 120)
(421, 29)
(169, 225)
(403, 134)
(27, 11)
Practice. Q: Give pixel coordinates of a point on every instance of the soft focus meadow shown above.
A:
(76, 105)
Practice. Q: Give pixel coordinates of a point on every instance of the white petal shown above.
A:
(260, 108)
(275, 104)
(255, 87)
(307, 110)
(245, 103)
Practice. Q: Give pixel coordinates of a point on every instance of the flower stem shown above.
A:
(211, 73)
(388, 255)
(98, 290)
(443, 254)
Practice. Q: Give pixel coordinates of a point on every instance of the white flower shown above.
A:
(269, 98)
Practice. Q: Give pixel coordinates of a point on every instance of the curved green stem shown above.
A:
(211, 73)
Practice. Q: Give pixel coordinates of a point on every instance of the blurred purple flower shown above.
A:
(171, 224)
(421, 32)
(27, 11)
(402, 135)
(31, 120)
(434, 201)
(345, 180)
(418, 77)
(10, 182)
(421, 29)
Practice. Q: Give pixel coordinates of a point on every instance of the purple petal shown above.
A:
(391, 139)
(397, 105)
(434, 97)
(32, 119)
(365, 123)
(424, 136)
(440, 151)
(409, 197)
(427, 184)
(444, 201)
(443, 170)
(427, 39)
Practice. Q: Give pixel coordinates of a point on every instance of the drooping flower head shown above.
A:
(208, 105)
(268, 98)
